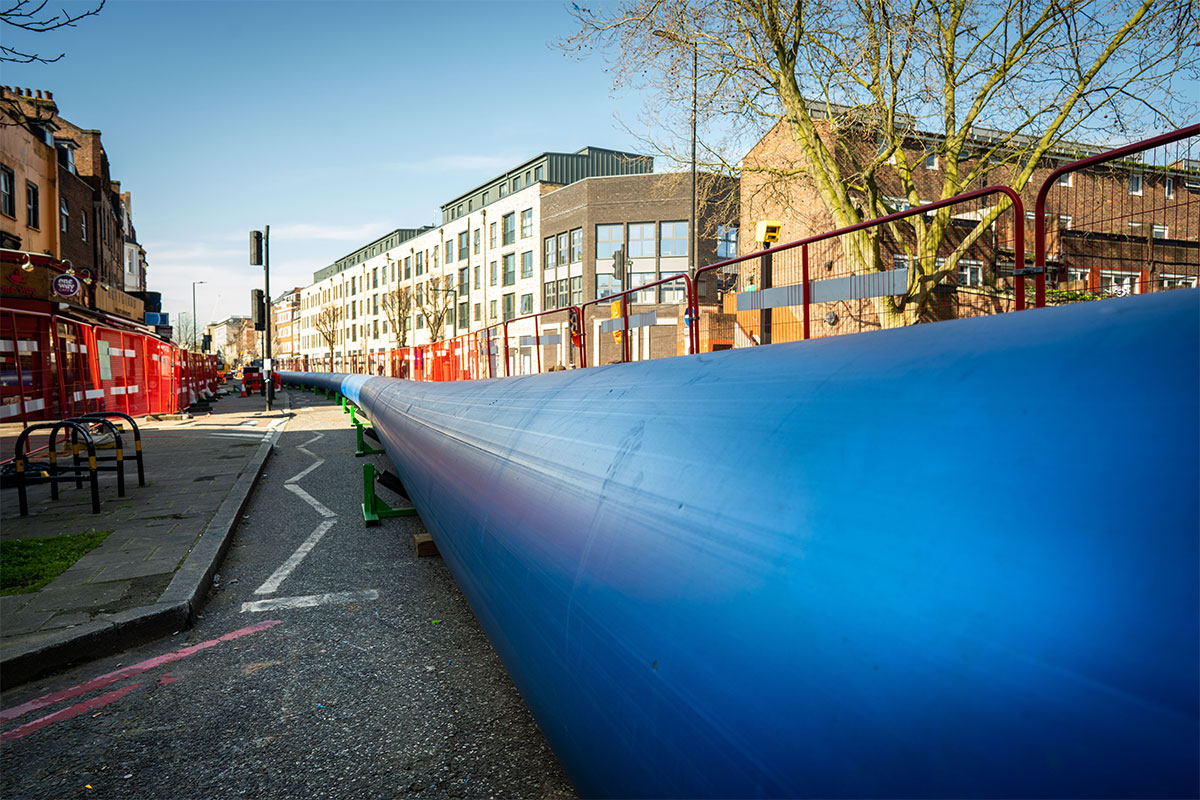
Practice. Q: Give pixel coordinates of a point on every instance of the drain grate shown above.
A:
(204, 478)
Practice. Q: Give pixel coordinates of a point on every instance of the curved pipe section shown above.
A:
(947, 560)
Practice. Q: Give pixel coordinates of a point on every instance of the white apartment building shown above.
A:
(482, 265)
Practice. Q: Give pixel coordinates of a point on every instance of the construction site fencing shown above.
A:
(942, 260)
(647, 321)
(1122, 222)
(53, 367)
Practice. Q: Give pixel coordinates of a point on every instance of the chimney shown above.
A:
(39, 94)
(28, 93)
(49, 95)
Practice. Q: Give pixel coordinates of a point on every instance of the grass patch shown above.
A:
(27, 565)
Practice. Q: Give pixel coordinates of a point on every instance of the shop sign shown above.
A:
(66, 285)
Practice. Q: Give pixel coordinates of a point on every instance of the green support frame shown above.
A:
(375, 509)
(363, 448)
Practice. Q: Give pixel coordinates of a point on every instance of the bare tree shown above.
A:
(437, 303)
(1000, 85)
(397, 305)
(33, 17)
(328, 323)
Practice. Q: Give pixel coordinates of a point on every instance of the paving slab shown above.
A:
(117, 595)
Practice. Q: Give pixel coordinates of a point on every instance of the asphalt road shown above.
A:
(330, 662)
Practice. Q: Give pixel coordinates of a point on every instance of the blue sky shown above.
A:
(332, 122)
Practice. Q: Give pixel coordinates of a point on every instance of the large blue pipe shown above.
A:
(949, 560)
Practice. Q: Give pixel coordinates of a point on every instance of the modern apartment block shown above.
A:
(535, 238)
(483, 264)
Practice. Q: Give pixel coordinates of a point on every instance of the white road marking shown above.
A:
(309, 600)
(233, 435)
(308, 498)
(310, 441)
(305, 471)
(272, 583)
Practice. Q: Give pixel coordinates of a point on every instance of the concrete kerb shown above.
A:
(192, 580)
(176, 609)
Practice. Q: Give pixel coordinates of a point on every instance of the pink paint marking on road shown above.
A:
(128, 672)
(67, 713)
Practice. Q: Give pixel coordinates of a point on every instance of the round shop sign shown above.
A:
(66, 285)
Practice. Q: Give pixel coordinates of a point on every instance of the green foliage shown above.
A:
(1059, 296)
(27, 565)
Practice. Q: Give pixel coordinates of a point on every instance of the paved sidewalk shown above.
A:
(149, 577)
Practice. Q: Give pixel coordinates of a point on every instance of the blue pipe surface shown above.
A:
(947, 560)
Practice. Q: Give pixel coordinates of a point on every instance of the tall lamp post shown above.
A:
(695, 72)
(195, 339)
(260, 255)
(692, 238)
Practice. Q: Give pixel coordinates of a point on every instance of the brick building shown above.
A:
(58, 198)
(1124, 227)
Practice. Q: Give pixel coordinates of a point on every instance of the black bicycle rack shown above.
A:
(137, 438)
(118, 456)
(57, 474)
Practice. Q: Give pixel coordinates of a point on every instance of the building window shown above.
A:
(420, 264)
(375, 325)
(1169, 187)
(727, 237)
(478, 311)
(8, 200)
(577, 245)
(537, 173)
(576, 290)
(549, 296)
(931, 161)
(1118, 283)
(420, 294)
(606, 285)
(674, 239)
(510, 228)
(463, 277)
(516, 183)
(462, 244)
(526, 304)
(970, 272)
(407, 268)
(527, 223)
(463, 311)
(64, 216)
(485, 198)
(503, 190)
(1066, 179)
(449, 250)
(641, 240)
(475, 241)
(1171, 281)
(32, 211)
(1064, 222)
(527, 264)
(549, 259)
(420, 321)
(1135, 183)
(609, 239)
(564, 252)
(1159, 231)
(492, 306)
(492, 235)
(510, 269)
(492, 274)
(1078, 274)
(478, 277)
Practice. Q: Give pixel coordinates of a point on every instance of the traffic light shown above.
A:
(619, 266)
(256, 248)
(258, 313)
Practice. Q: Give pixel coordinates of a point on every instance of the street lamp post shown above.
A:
(693, 239)
(195, 339)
